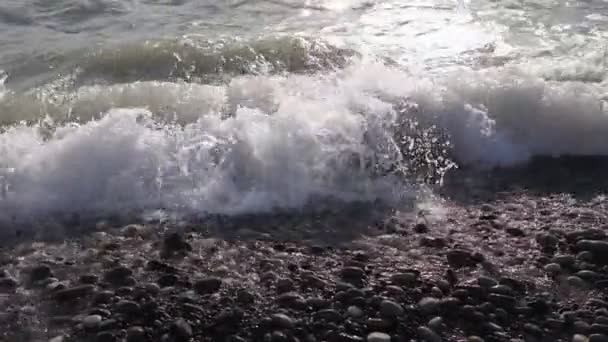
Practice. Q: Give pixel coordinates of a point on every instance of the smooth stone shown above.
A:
(136, 334)
(181, 330)
(429, 305)
(564, 260)
(92, 321)
(282, 321)
(378, 337)
(575, 281)
(579, 338)
(598, 338)
(581, 327)
(436, 324)
(428, 335)
(106, 336)
(354, 273)
(118, 275)
(90, 279)
(330, 315)
(553, 268)
(459, 258)
(599, 328)
(487, 282)
(390, 309)
(74, 292)
(354, 311)
(127, 307)
(60, 338)
(208, 285)
(40, 273)
(475, 339)
(8, 285)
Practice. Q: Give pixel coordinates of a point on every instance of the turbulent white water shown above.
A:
(337, 99)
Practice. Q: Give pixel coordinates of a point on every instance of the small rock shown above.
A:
(60, 338)
(291, 300)
(8, 285)
(378, 337)
(74, 292)
(91, 322)
(475, 339)
(598, 248)
(421, 228)
(354, 311)
(284, 285)
(598, 338)
(579, 338)
(106, 336)
(181, 330)
(329, 315)
(403, 279)
(208, 286)
(175, 243)
(118, 275)
(282, 321)
(575, 281)
(90, 279)
(428, 335)
(459, 258)
(486, 282)
(136, 334)
(352, 273)
(40, 273)
(390, 309)
(245, 297)
(429, 305)
(278, 336)
(127, 307)
(514, 231)
(167, 280)
(564, 260)
(436, 324)
(553, 268)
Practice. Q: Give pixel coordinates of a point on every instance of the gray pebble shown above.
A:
(282, 321)
(403, 279)
(390, 309)
(91, 322)
(598, 338)
(429, 305)
(378, 337)
(428, 335)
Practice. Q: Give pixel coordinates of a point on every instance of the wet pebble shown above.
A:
(181, 330)
(208, 285)
(428, 335)
(282, 321)
(92, 322)
(390, 309)
(136, 334)
(378, 337)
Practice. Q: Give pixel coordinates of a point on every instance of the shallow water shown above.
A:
(245, 106)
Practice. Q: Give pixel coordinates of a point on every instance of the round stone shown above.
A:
(354, 311)
(378, 337)
(92, 321)
(553, 268)
(391, 309)
(428, 335)
(429, 305)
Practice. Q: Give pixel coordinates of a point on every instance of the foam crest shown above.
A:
(265, 142)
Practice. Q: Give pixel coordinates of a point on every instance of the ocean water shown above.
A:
(245, 106)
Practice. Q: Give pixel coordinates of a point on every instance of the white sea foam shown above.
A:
(262, 142)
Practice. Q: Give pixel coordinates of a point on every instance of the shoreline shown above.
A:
(522, 267)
